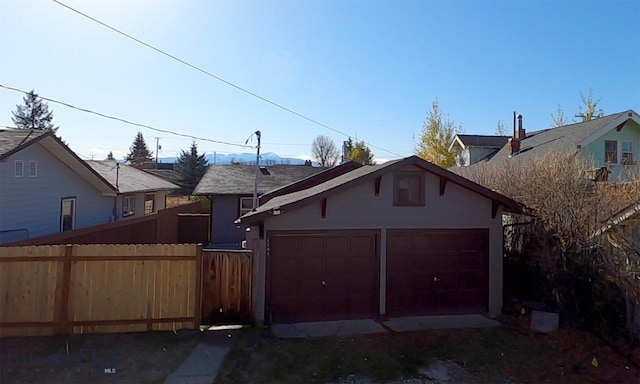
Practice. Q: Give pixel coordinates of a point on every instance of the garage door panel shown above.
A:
(362, 245)
(347, 261)
(286, 248)
(447, 271)
(470, 260)
(337, 246)
(312, 247)
(335, 266)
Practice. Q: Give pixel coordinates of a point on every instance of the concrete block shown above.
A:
(544, 322)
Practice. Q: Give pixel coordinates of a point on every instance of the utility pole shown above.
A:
(255, 188)
(158, 148)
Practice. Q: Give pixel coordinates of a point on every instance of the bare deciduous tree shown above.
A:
(324, 151)
(566, 240)
(558, 119)
(591, 110)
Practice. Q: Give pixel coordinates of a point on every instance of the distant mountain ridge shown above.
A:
(267, 158)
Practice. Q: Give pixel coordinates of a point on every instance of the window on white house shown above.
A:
(33, 168)
(149, 204)
(128, 206)
(68, 214)
(246, 204)
(18, 168)
(627, 153)
(408, 189)
(611, 151)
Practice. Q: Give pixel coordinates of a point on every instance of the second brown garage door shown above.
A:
(437, 272)
(324, 275)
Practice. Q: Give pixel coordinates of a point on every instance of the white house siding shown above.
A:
(358, 208)
(33, 203)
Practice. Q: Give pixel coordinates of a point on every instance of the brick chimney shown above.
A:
(513, 146)
(520, 133)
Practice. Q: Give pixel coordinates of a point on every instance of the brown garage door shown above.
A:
(436, 272)
(323, 275)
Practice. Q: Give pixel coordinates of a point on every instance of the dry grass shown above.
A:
(488, 355)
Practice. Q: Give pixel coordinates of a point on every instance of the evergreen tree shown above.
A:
(139, 152)
(34, 114)
(359, 152)
(190, 167)
(437, 133)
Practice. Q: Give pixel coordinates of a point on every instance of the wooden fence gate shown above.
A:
(226, 287)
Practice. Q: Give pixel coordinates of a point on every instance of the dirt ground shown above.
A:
(141, 357)
(506, 355)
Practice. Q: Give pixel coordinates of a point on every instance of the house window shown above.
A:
(149, 204)
(627, 153)
(68, 214)
(246, 204)
(128, 206)
(611, 151)
(18, 168)
(33, 168)
(408, 189)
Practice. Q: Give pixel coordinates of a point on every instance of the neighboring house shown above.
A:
(230, 189)
(612, 141)
(138, 193)
(469, 149)
(45, 188)
(399, 239)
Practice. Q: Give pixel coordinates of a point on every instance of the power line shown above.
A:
(127, 121)
(275, 104)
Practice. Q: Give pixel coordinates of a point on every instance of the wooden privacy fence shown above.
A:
(226, 286)
(61, 289)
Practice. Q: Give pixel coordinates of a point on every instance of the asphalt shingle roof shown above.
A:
(485, 141)
(566, 137)
(12, 139)
(280, 201)
(368, 172)
(129, 179)
(239, 179)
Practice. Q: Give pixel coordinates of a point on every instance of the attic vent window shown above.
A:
(264, 171)
(408, 189)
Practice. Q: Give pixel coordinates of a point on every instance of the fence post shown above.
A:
(63, 312)
(198, 292)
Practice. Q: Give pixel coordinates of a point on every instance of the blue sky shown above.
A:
(370, 69)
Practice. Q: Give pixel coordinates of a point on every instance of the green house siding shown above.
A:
(629, 133)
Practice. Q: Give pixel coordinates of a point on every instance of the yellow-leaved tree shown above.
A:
(437, 133)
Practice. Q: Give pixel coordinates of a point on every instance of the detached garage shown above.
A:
(405, 238)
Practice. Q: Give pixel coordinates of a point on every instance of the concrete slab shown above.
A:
(327, 328)
(419, 323)
(204, 362)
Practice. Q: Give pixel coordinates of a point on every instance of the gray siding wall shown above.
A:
(358, 208)
(160, 202)
(33, 203)
(224, 211)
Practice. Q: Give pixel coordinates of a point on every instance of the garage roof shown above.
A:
(370, 172)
